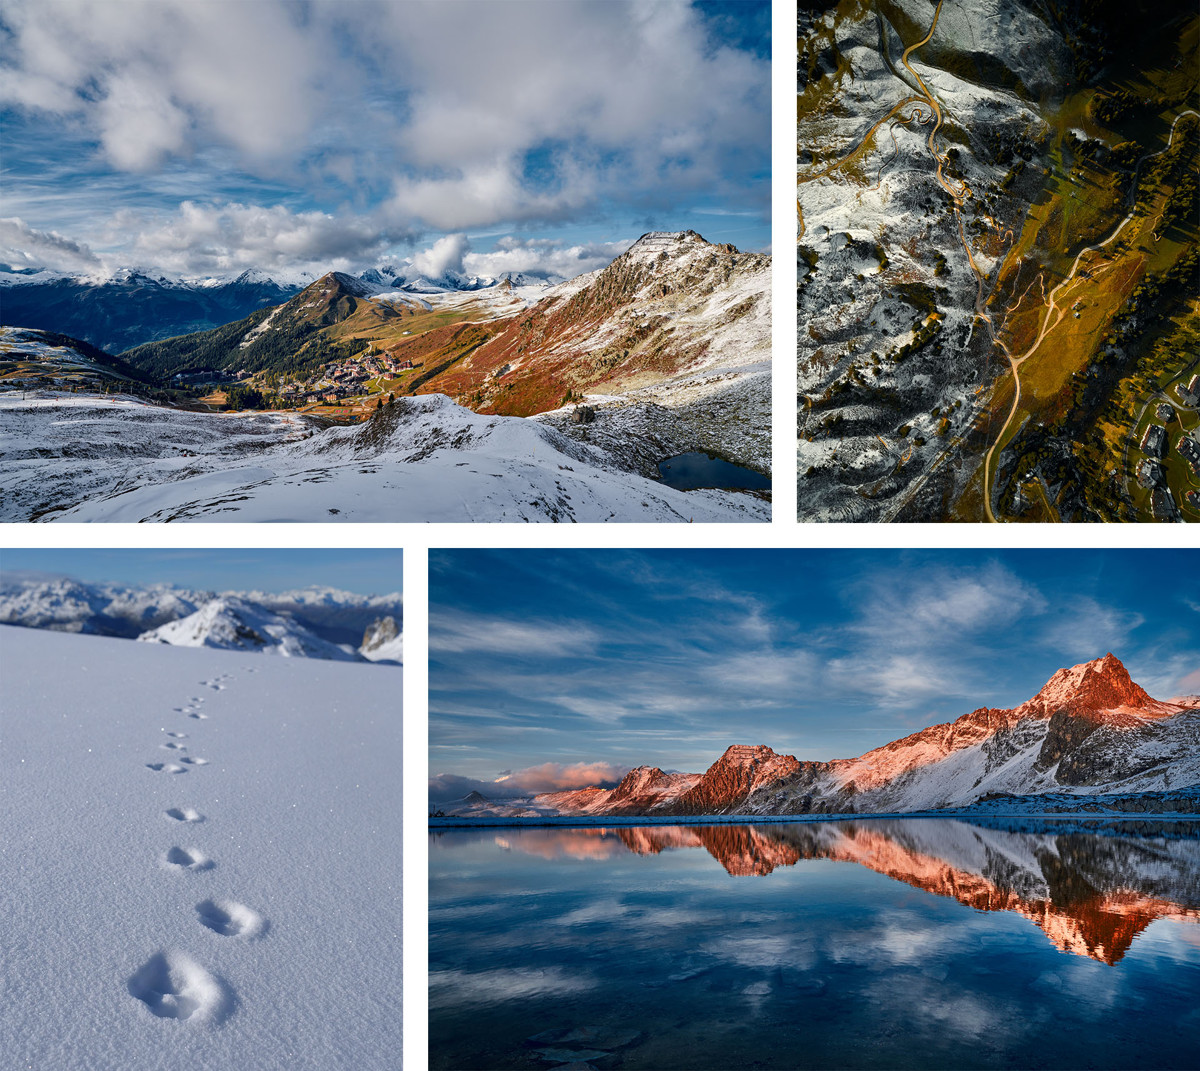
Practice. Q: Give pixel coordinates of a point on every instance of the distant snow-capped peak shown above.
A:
(232, 624)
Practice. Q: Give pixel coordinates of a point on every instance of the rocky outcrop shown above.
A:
(732, 779)
(380, 632)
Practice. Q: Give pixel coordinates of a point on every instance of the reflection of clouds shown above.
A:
(480, 988)
(565, 844)
(1092, 991)
(930, 1008)
(599, 911)
(766, 952)
(899, 939)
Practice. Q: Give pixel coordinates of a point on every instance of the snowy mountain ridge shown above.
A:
(315, 622)
(232, 624)
(1090, 730)
(69, 457)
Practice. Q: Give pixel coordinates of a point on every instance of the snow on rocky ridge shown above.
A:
(1089, 730)
(424, 459)
(235, 625)
(317, 622)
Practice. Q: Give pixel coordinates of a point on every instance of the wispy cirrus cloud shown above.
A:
(461, 632)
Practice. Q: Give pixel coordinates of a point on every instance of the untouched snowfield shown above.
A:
(202, 858)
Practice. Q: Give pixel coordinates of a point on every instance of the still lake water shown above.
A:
(905, 943)
(689, 472)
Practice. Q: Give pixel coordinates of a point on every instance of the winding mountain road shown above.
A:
(1050, 322)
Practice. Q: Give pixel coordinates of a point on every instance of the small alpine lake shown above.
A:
(867, 943)
(692, 471)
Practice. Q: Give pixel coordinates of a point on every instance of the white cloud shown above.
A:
(543, 256)
(223, 238)
(1089, 628)
(480, 196)
(919, 605)
(457, 633)
(446, 254)
(537, 111)
(23, 246)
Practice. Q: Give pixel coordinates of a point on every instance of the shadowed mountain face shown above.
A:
(1090, 894)
(134, 308)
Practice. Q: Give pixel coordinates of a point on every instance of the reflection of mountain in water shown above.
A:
(1091, 893)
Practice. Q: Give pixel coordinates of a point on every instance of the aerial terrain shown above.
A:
(999, 261)
(202, 846)
(581, 393)
(1091, 740)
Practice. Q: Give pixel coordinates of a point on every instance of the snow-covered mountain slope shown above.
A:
(477, 805)
(240, 910)
(1089, 730)
(675, 334)
(424, 459)
(33, 360)
(382, 641)
(341, 617)
(888, 394)
(232, 624)
(643, 789)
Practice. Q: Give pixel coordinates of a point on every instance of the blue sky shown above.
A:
(565, 667)
(204, 138)
(364, 572)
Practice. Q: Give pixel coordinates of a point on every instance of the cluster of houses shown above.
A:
(1154, 445)
(340, 380)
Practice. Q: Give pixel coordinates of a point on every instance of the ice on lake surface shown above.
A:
(871, 943)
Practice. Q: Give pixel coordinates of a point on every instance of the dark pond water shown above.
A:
(875, 944)
(688, 472)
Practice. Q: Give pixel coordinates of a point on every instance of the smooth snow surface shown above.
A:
(240, 914)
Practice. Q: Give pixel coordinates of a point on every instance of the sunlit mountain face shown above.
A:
(1092, 895)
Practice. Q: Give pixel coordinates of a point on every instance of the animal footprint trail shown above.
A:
(173, 986)
(231, 919)
(170, 984)
(184, 814)
(189, 859)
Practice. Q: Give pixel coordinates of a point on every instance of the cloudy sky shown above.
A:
(570, 667)
(205, 138)
(364, 572)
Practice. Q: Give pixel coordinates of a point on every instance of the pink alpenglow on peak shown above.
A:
(1091, 730)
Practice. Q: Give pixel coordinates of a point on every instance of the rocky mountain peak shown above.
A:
(636, 781)
(741, 770)
(380, 631)
(1092, 687)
